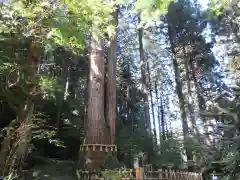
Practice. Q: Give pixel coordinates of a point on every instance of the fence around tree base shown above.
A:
(140, 174)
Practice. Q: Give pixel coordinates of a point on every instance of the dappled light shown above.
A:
(138, 90)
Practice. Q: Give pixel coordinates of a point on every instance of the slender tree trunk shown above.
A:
(132, 101)
(183, 112)
(160, 114)
(181, 97)
(190, 99)
(128, 95)
(144, 80)
(95, 120)
(71, 84)
(162, 119)
(145, 88)
(61, 94)
(124, 95)
(201, 103)
(111, 82)
(152, 104)
(201, 106)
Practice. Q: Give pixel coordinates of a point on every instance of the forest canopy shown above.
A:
(110, 84)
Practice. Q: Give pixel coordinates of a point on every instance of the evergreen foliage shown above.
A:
(44, 77)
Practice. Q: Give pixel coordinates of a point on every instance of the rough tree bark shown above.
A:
(190, 98)
(201, 102)
(111, 82)
(181, 97)
(95, 112)
(144, 80)
(152, 104)
(161, 122)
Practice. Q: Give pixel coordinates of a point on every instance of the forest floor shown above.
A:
(55, 170)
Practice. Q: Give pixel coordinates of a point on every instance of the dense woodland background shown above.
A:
(160, 79)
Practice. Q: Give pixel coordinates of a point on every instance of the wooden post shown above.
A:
(194, 176)
(166, 174)
(178, 175)
(139, 174)
(191, 176)
(160, 176)
(186, 175)
(171, 174)
(182, 175)
(198, 176)
(174, 175)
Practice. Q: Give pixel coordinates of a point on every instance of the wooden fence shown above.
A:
(168, 174)
(106, 175)
(140, 174)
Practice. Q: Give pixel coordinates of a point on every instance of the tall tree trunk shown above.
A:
(124, 98)
(132, 102)
(190, 98)
(152, 104)
(183, 112)
(181, 97)
(61, 93)
(201, 106)
(111, 82)
(162, 118)
(144, 80)
(95, 112)
(201, 102)
(160, 115)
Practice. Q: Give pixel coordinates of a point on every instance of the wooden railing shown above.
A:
(141, 174)
(169, 174)
(106, 175)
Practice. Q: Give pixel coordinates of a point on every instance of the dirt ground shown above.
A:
(55, 170)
